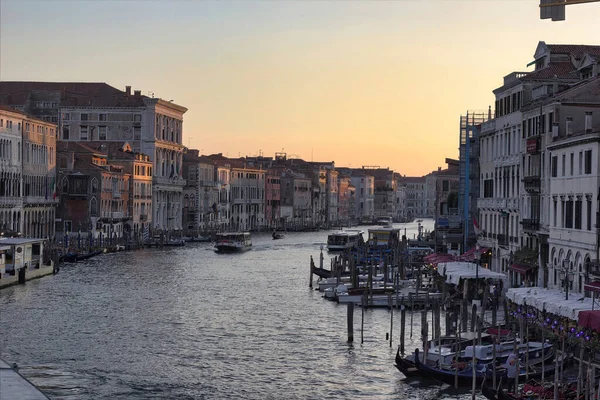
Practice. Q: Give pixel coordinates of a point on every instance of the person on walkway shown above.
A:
(512, 366)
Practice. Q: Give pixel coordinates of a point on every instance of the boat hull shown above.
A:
(231, 249)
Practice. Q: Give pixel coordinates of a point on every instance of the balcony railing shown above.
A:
(532, 183)
(530, 224)
(143, 217)
(116, 194)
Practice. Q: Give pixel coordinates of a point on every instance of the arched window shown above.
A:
(93, 207)
(94, 185)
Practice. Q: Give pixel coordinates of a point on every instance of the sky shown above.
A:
(361, 83)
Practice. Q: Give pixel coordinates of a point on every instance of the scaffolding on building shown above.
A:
(468, 193)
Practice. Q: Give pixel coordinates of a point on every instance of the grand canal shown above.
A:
(187, 323)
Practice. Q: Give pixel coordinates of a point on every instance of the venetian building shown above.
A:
(11, 205)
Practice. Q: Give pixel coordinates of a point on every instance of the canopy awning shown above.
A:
(521, 269)
(470, 254)
(590, 319)
(455, 271)
(592, 287)
(435, 258)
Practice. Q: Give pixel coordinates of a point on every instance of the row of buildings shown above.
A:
(530, 173)
(87, 157)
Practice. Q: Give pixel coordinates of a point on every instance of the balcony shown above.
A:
(143, 217)
(530, 225)
(532, 183)
(502, 239)
(117, 215)
(77, 195)
(116, 194)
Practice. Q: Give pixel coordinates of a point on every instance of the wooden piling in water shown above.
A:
(350, 322)
(310, 282)
(402, 325)
(391, 304)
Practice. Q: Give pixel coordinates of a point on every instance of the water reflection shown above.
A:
(187, 323)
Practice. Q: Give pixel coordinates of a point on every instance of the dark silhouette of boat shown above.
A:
(72, 257)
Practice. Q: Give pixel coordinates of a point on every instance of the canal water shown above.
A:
(188, 323)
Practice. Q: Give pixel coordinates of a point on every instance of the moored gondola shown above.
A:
(488, 392)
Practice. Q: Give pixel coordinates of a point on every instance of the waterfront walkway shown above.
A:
(14, 386)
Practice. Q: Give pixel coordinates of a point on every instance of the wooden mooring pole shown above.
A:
(350, 321)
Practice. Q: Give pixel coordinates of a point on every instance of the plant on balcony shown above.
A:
(526, 256)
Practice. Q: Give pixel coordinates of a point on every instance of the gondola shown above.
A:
(488, 392)
(81, 257)
(465, 371)
(406, 366)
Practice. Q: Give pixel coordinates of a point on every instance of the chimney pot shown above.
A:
(128, 90)
(137, 93)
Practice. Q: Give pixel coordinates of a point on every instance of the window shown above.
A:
(137, 133)
(101, 133)
(564, 164)
(580, 162)
(588, 162)
(84, 117)
(83, 135)
(568, 216)
(589, 214)
(578, 221)
(137, 118)
(569, 126)
(66, 116)
(588, 122)
(554, 166)
(554, 211)
(101, 117)
(65, 132)
(572, 164)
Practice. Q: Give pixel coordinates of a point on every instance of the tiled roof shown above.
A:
(585, 91)
(74, 94)
(558, 69)
(576, 50)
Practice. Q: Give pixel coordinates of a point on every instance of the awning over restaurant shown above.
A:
(521, 269)
(470, 254)
(455, 271)
(590, 319)
(552, 300)
(435, 258)
(592, 287)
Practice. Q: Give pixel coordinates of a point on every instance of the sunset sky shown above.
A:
(374, 83)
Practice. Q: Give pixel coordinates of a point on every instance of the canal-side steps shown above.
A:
(14, 386)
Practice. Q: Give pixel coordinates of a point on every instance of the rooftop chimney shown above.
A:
(128, 90)
(137, 93)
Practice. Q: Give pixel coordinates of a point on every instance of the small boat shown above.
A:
(233, 242)
(441, 350)
(174, 243)
(72, 257)
(278, 235)
(344, 240)
(386, 221)
(488, 392)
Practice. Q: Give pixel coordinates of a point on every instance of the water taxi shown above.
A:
(233, 242)
(344, 240)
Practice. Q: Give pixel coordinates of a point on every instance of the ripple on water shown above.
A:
(188, 323)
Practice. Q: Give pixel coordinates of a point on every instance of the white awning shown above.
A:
(457, 270)
(551, 300)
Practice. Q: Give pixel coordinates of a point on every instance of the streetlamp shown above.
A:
(566, 275)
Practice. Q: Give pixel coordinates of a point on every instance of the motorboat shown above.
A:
(233, 242)
(344, 240)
